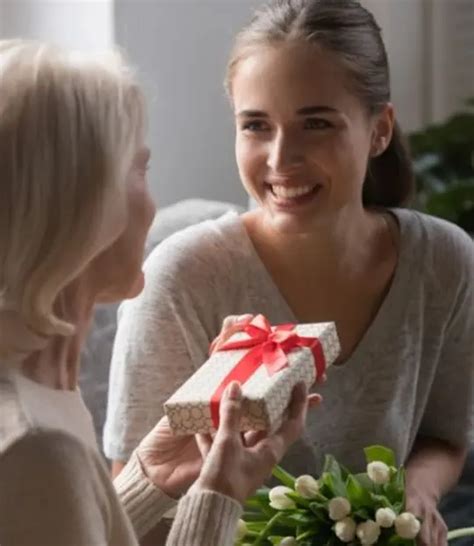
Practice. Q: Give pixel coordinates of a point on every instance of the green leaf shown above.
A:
(380, 453)
(283, 476)
(365, 481)
(380, 501)
(363, 513)
(333, 485)
(357, 494)
(331, 466)
(301, 518)
(395, 489)
(261, 539)
(320, 511)
(298, 499)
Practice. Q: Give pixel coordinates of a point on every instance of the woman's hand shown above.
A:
(236, 464)
(171, 462)
(433, 468)
(423, 505)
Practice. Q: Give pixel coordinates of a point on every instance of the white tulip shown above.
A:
(279, 500)
(241, 529)
(378, 472)
(385, 517)
(339, 508)
(407, 526)
(368, 532)
(307, 486)
(345, 529)
(289, 541)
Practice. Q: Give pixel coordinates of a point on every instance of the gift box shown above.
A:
(268, 361)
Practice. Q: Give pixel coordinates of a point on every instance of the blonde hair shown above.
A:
(69, 128)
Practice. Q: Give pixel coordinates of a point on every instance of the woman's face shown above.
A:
(118, 269)
(303, 139)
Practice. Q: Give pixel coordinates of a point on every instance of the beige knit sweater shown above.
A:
(55, 489)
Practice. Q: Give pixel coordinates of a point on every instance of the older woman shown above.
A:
(74, 212)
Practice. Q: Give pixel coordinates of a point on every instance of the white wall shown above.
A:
(402, 23)
(430, 44)
(181, 48)
(75, 24)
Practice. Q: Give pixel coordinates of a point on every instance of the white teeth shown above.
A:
(289, 193)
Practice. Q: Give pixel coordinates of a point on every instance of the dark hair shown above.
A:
(349, 31)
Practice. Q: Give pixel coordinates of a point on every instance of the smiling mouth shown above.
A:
(295, 194)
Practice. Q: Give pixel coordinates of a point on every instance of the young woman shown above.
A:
(74, 213)
(318, 147)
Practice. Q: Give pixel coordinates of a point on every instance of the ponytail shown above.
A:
(390, 181)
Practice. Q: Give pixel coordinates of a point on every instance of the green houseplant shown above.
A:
(443, 155)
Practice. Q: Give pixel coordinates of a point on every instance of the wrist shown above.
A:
(420, 484)
(157, 477)
(221, 486)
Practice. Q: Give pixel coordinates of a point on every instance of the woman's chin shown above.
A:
(137, 286)
(126, 291)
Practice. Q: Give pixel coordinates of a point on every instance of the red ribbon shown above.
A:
(269, 347)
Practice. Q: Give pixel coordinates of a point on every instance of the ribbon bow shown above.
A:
(269, 347)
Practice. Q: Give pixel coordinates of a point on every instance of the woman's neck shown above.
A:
(57, 365)
(346, 246)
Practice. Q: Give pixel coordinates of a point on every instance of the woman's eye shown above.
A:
(317, 123)
(255, 126)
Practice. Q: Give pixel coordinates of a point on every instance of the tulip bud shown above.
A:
(345, 529)
(339, 508)
(378, 472)
(289, 541)
(307, 486)
(279, 500)
(241, 530)
(407, 525)
(385, 517)
(368, 532)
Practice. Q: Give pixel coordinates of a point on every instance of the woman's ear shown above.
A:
(383, 130)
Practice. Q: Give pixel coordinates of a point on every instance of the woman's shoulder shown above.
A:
(204, 250)
(444, 251)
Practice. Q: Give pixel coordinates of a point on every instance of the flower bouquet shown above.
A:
(338, 508)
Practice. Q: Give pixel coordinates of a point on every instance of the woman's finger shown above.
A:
(314, 400)
(204, 443)
(230, 410)
(322, 379)
(274, 446)
(252, 437)
(230, 326)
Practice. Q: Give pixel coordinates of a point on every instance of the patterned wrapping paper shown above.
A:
(265, 396)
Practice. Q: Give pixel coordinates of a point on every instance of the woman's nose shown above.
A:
(285, 152)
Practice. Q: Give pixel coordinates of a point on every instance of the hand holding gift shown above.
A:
(268, 361)
(236, 465)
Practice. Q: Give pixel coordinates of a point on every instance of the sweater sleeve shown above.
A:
(51, 494)
(144, 503)
(205, 518)
(449, 412)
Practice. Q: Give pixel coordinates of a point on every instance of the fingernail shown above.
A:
(234, 392)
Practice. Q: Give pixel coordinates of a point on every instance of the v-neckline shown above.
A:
(374, 330)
